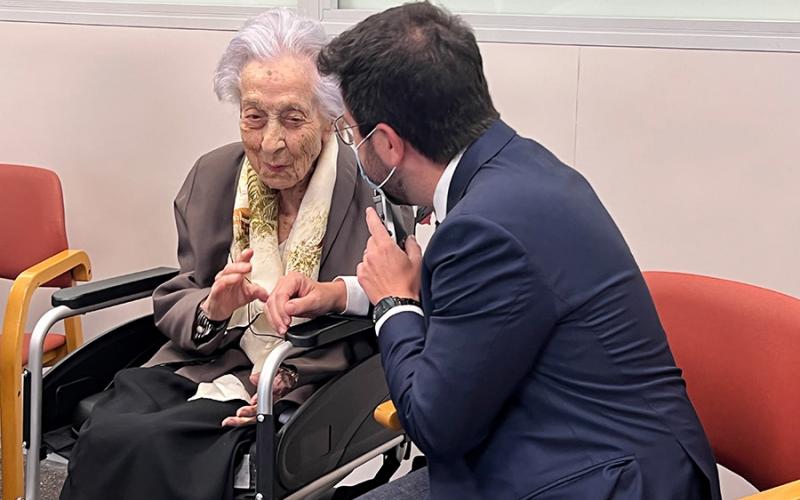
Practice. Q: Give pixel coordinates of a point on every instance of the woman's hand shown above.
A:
(232, 290)
(285, 381)
(298, 295)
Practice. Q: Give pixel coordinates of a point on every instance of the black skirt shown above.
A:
(144, 441)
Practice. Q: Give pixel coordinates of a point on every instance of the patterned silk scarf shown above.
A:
(255, 225)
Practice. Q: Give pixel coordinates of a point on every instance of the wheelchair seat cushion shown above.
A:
(84, 409)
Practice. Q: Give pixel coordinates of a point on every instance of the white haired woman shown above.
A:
(286, 199)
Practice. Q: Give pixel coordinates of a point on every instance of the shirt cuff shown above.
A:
(357, 300)
(396, 310)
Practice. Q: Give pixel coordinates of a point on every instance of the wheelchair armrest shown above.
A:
(783, 492)
(128, 286)
(327, 329)
(386, 415)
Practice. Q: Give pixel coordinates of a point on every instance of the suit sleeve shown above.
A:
(489, 317)
(175, 302)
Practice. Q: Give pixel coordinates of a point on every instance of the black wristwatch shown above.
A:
(386, 303)
(205, 329)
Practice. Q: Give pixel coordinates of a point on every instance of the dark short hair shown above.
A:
(418, 69)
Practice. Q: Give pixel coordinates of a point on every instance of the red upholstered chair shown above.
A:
(739, 348)
(33, 253)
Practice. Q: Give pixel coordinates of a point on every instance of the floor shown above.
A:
(52, 478)
(54, 471)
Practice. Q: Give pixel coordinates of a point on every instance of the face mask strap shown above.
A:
(362, 172)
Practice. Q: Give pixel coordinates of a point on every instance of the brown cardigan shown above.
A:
(203, 213)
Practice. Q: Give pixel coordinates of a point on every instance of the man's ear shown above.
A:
(389, 146)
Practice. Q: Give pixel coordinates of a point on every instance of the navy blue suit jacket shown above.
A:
(540, 368)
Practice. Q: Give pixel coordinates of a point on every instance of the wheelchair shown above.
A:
(299, 454)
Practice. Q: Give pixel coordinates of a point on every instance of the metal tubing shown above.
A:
(35, 365)
(268, 372)
(336, 475)
(265, 423)
(35, 354)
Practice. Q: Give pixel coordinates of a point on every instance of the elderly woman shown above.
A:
(287, 199)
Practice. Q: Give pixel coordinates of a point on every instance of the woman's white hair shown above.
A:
(275, 33)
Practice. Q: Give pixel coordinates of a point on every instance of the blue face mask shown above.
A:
(362, 172)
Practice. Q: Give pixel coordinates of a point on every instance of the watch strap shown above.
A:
(205, 329)
(387, 303)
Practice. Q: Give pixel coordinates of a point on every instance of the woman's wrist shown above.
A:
(335, 296)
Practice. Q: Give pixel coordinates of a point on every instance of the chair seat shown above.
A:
(52, 342)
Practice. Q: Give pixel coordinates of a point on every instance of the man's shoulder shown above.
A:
(526, 174)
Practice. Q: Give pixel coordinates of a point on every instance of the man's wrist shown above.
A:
(386, 304)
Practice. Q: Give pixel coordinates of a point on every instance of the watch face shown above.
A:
(382, 306)
(389, 302)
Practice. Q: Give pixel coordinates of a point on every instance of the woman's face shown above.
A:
(282, 128)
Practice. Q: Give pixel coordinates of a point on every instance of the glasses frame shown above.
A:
(344, 131)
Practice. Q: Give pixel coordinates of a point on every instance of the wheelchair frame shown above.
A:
(103, 294)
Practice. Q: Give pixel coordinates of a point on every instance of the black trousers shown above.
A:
(144, 441)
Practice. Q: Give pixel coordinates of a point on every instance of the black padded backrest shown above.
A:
(334, 426)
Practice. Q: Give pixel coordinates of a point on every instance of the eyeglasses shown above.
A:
(344, 131)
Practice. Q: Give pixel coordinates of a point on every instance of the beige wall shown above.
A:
(693, 152)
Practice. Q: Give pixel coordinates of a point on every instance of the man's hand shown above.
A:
(283, 384)
(387, 271)
(298, 295)
(231, 289)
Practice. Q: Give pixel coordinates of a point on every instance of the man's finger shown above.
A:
(413, 250)
(370, 247)
(361, 274)
(376, 227)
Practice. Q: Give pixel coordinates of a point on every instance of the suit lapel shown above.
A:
(483, 149)
(343, 193)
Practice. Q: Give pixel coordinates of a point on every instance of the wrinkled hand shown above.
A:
(298, 295)
(387, 271)
(231, 289)
(246, 415)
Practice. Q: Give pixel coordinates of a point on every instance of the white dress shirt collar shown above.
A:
(443, 187)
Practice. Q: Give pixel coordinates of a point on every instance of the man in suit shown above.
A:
(523, 351)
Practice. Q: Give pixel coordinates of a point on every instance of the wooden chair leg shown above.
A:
(11, 433)
(73, 332)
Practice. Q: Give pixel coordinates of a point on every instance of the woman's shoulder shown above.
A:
(214, 174)
(222, 157)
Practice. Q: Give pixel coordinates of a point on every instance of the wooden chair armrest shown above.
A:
(19, 298)
(386, 415)
(788, 491)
